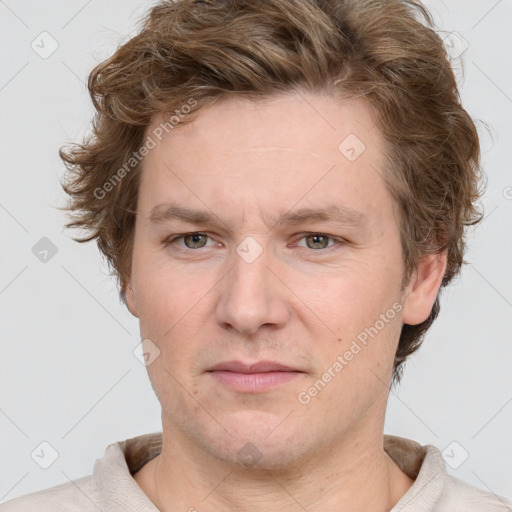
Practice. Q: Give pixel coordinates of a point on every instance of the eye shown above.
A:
(317, 241)
(198, 240)
(194, 240)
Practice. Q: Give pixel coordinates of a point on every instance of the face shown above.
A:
(266, 271)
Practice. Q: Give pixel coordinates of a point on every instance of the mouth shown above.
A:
(253, 377)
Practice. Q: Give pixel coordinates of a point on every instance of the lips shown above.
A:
(253, 378)
(259, 367)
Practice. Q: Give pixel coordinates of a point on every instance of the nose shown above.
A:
(251, 296)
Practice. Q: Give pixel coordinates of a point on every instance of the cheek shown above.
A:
(172, 307)
(359, 311)
(349, 298)
(161, 294)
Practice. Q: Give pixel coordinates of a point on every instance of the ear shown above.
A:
(423, 287)
(130, 299)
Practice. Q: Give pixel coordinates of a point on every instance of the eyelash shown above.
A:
(337, 241)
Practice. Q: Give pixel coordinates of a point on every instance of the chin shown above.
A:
(254, 442)
(259, 456)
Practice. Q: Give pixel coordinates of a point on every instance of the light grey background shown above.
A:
(68, 374)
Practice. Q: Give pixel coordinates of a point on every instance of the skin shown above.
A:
(299, 303)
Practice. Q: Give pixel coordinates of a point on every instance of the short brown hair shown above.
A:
(384, 51)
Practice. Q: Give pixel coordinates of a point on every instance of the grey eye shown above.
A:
(317, 241)
(195, 240)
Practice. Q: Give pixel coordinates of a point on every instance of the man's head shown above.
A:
(367, 90)
(257, 240)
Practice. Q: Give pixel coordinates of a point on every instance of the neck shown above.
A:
(354, 475)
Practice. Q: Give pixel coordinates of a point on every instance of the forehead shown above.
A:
(294, 149)
(298, 121)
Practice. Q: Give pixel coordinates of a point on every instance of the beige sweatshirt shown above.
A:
(111, 488)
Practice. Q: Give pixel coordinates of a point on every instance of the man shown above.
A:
(282, 189)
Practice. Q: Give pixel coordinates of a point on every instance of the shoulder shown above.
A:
(77, 495)
(434, 490)
(458, 495)
(110, 487)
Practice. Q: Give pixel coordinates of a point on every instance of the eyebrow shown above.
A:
(331, 213)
